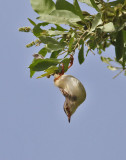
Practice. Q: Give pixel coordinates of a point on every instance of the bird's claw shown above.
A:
(62, 67)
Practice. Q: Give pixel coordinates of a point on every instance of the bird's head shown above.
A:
(70, 107)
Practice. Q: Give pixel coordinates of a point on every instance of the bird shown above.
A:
(73, 91)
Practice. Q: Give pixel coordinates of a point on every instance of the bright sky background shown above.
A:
(33, 125)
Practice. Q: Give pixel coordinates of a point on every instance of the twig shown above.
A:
(62, 53)
(78, 41)
(118, 74)
(89, 48)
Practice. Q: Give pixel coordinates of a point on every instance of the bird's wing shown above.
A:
(67, 95)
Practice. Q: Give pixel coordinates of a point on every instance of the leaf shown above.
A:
(37, 31)
(44, 24)
(64, 5)
(81, 54)
(125, 73)
(49, 71)
(45, 74)
(55, 47)
(50, 32)
(124, 54)
(42, 64)
(48, 40)
(52, 68)
(43, 52)
(96, 21)
(60, 17)
(95, 5)
(78, 10)
(106, 60)
(54, 54)
(59, 28)
(31, 73)
(109, 27)
(119, 46)
(66, 62)
(66, 14)
(112, 68)
(32, 22)
(71, 44)
(71, 41)
(114, 3)
(43, 6)
(53, 19)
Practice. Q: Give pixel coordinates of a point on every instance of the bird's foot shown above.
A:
(61, 73)
(62, 67)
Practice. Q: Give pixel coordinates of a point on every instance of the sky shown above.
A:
(33, 125)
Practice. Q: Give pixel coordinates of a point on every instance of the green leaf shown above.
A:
(112, 68)
(43, 52)
(78, 10)
(43, 6)
(53, 19)
(109, 27)
(51, 32)
(114, 3)
(125, 73)
(37, 30)
(81, 54)
(64, 5)
(66, 62)
(31, 73)
(45, 74)
(54, 54)
(52, 68)
(124, 53)
(106, 60)
(42, 64)
(59, 28)
(71, 42)
(32, 22)
(55, 47)
(48, 40)
(49, 71)
(119, 45)
(44, 24)
(66, 14)
(95, 5)
(60, 17)
(96, 21)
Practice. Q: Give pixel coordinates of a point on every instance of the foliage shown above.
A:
(93, 32)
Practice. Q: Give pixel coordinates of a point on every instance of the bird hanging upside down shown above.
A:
(73, 90)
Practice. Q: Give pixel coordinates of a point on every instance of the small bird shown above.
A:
(73, 90)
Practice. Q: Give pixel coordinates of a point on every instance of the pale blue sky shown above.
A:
(33, 125)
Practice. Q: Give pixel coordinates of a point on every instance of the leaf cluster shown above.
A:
(84, 33)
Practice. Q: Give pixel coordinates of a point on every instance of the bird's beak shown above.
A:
(69, 117)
